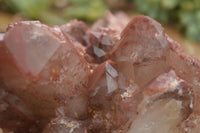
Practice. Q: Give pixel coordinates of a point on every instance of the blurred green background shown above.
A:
(183, 15)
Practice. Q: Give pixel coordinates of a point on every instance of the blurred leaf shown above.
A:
(157, 9)
(30, 8)
(169, 4)
(186, 14)
(51, 18)
(89, 10)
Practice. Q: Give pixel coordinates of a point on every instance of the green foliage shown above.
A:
(158, 9)
(186, 13)
(30, 8)
(89, 10)
(189, 18)
(48, 12)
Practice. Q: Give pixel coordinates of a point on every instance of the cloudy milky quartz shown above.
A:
(119, 76)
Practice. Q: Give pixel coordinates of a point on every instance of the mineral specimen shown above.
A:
(112, 78)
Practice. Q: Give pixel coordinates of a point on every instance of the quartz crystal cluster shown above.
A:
(118, 76)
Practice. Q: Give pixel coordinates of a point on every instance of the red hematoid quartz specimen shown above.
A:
(119, 76)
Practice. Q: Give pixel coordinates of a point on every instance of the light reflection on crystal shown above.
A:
(111, 70)
(34, 50)
(106, 41)
(98, 52)
(111, 83)
(50, 76)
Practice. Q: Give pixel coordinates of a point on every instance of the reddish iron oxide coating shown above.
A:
(104, 79)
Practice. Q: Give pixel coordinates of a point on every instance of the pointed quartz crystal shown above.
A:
(112, 78)
(110, 106)
(43, 68)
(143, 50)
(166, 103)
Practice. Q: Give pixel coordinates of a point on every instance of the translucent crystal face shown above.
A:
(141, 42)
(98, 52)
(75, 79)
(164, 106)
(31, 46)
(163, 116)
(42, 65)
(111, 70)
